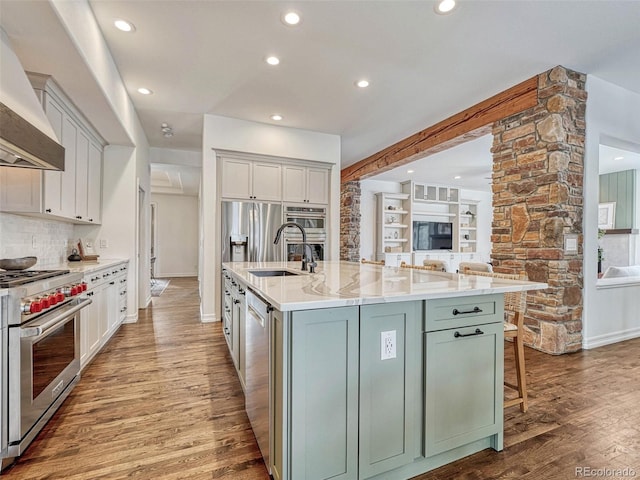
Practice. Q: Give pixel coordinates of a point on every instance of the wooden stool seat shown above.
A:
(468, 267)
(438, 265)
(372, 262)
(515, 304)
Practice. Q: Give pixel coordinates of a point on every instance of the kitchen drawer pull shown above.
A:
(477, 332)
(112, 283)
(475, 310)
(236, 301)
(226, 331)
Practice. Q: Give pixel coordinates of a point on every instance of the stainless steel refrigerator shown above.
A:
(248, 231)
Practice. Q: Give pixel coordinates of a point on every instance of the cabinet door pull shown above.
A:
(475, 310)
(477, 332)
(236, 301)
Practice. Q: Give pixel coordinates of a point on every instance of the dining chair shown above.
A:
(437, 265)
(372, 262)
(474, 266)
(515, 304)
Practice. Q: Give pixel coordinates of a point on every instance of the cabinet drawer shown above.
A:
(444, 313)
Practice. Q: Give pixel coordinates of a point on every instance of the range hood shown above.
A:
(23, 145)
(26, 136)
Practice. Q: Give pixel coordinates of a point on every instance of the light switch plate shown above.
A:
(571, 243)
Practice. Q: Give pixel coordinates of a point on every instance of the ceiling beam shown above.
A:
(467, 125)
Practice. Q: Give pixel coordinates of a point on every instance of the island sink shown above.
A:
(272, 273)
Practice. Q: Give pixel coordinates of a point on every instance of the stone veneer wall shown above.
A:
(538, 165)
(350, 221)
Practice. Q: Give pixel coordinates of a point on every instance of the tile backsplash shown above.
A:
(48, 240)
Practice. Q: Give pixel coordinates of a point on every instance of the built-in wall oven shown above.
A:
(313, 220)
(43, 361)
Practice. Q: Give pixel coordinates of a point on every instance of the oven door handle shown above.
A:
(41, 329)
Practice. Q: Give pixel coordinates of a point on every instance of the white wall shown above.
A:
(171, 156)
(125, 168)
(612, 118)
(224, 133)
(177, 235)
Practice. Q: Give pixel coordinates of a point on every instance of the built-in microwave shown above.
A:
(312, 219)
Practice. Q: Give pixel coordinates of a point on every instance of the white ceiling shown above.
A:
(208, 57)
(617, 160)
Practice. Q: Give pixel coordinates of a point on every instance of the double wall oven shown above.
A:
(42, 322)
(314, 221)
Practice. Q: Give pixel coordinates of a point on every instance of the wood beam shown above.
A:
(459, 128)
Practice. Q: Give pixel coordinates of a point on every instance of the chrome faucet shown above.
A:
(307, 254)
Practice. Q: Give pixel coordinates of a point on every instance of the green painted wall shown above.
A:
(620, 187)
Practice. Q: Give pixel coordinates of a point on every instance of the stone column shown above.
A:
(538, 165)
(350, 221)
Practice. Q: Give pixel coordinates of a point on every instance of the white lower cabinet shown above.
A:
(102, 318)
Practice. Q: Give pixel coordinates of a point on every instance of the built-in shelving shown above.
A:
(393, 232)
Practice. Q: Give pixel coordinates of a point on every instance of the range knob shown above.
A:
(44, 301)
(35, 306)
(84, 286)
(53, 299)
(75, 290)
(60, 296)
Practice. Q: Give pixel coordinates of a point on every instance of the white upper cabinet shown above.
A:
(305, 184)
(94, 182)
(251, 180)
(73, 194)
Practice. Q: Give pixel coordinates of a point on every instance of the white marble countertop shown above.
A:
(338, 284)
(85, 267)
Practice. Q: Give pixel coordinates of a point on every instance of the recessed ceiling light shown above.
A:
(273, 60)
(144, 91)
(445, 6)
(362, 83)
(409, 171)
(291, 18)
(457, 177)
(276, 117)
(124, 26)
(618, 158)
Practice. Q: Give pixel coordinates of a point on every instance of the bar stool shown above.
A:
(437, 265)
(515, 304)
(372, 262)
(417, 267)
(474, 266)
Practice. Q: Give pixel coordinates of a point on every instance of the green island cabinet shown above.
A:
(385, 391)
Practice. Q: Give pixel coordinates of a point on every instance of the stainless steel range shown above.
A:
(41, 316)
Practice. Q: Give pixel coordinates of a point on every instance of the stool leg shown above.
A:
(518, 350)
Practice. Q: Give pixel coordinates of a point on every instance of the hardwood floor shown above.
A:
(162, 401)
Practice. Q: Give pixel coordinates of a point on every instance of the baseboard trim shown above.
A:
(609, 338)
(172, 275)
(131, 318)
(209, 318)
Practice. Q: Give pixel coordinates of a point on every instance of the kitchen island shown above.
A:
(361, 371)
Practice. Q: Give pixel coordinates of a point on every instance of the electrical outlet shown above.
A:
(104, 243)
(34, 242)
(388, 345)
